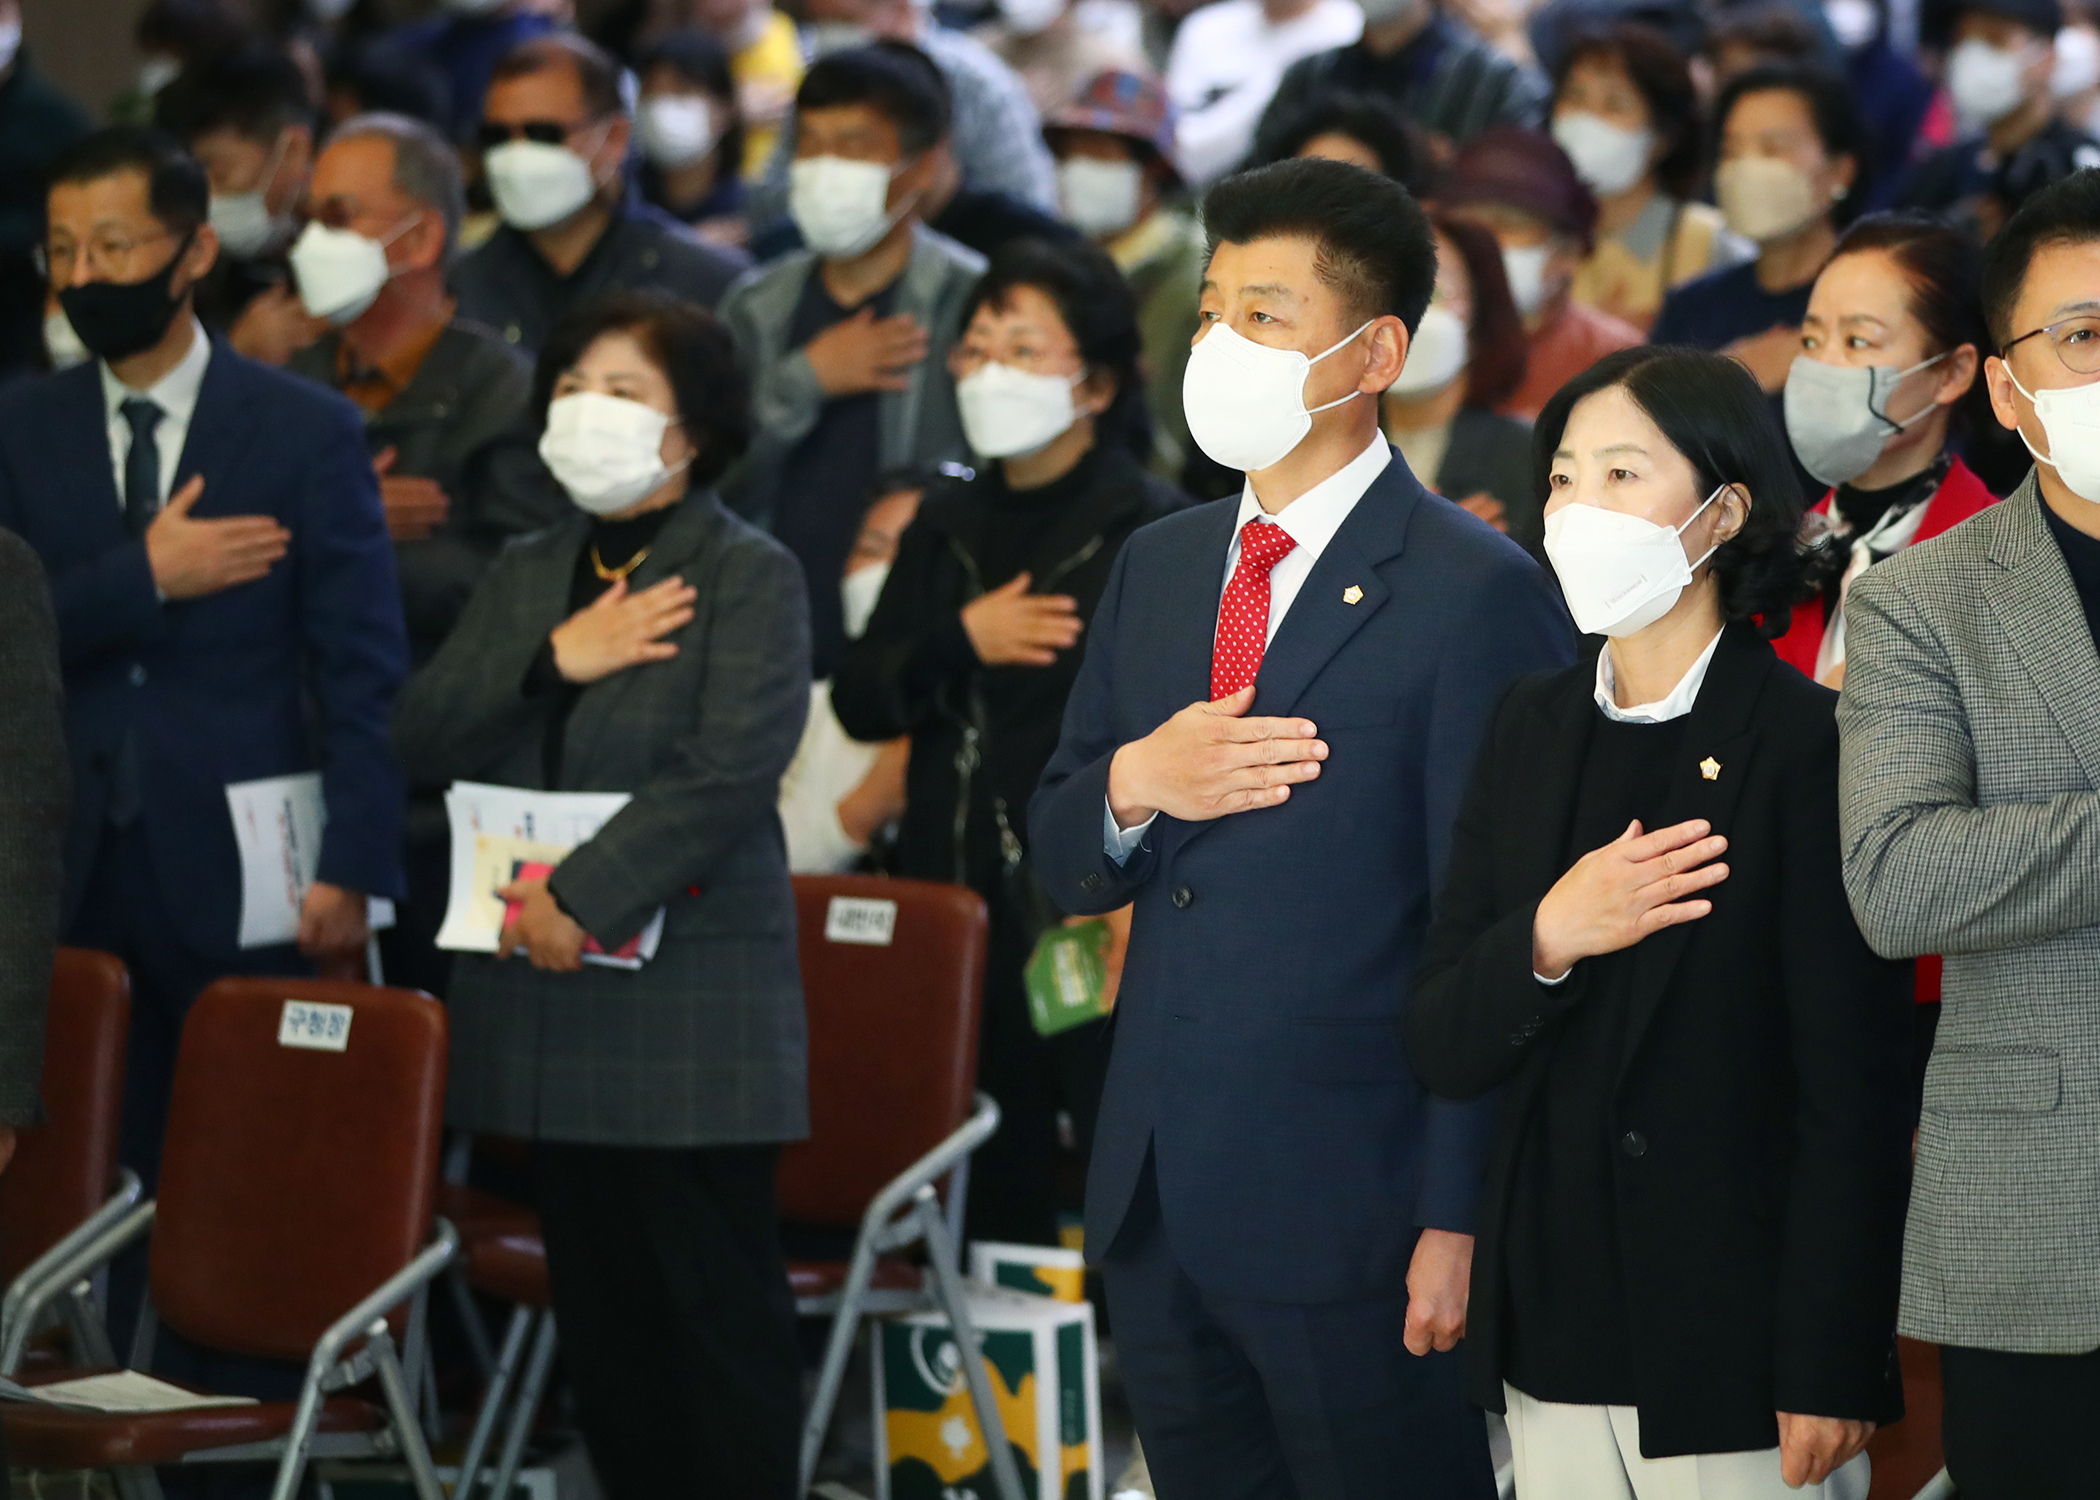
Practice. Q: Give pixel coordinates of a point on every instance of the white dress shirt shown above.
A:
(1312, 520)
(1223, 69)
(1674, 704)
(175, 393)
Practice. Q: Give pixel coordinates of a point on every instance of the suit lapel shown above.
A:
(1719, 735)
(684, 536)
(81, 425)
(218, 431)
(1544, 811)
(2039, 607)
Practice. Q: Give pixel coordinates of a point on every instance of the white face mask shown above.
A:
(841, 206)
(1525, 266)
(2077, 66)
(61, 342)
(535, 184)
(1984, 81)
(1837, 416)
(822, 38)
(1435, 355)
(1008, 412)
(859, 592)
(1764, 198)
(1029, 17)
(243, 221)
(1620, 573)
(1100, 197)
(1245, 402)
(677, 129)
(1609, 158)
(606, 452)
(2070, 418)
(1852, 22)
(340, 272)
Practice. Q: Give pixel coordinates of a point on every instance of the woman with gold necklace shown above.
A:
(656, 645)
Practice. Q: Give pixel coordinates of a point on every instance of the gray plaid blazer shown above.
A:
(1970, 803)
(705, 1044)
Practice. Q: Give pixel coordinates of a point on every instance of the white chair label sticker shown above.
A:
(860, 919)
(319, 1028)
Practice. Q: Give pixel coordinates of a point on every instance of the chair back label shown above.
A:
(317, 1027)
(860, 919)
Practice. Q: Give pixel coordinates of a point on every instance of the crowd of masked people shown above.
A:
(763, 414)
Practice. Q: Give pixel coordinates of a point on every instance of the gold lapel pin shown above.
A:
(1353, 594)
(1710, 769)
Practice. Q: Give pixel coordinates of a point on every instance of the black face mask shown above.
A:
(116, 319)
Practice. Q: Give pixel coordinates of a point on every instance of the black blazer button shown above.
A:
(1183, 896)
(1092, 883)
(1633, 1143)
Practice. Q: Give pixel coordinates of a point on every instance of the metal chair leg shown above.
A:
(478, 1345)
(838, 1351)
(401, 1410)
(948, 1289)
(526, 1408)
(492, 1398)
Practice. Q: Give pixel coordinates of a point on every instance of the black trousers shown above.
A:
(2021, 1426)
(1014, 1177)
(1238, 1399)
(677, 1325)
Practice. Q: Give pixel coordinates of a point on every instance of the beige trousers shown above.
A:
(1567, 1452)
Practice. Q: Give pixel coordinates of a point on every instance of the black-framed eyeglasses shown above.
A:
(547, 132)
(2076, 341)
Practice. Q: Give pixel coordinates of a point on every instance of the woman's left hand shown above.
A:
(541, 930)
(1811, 1449)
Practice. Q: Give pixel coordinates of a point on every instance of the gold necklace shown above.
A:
(614, 575)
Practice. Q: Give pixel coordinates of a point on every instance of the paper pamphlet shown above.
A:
(497, 831)
(122, 1391)
(277, 823)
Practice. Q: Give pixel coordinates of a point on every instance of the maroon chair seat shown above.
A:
(55, 1437)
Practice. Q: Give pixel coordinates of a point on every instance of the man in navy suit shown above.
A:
(1265, 750)
(226, 605)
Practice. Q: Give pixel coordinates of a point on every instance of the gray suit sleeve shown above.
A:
(1926, 868)
(725, 776)
(35, 785)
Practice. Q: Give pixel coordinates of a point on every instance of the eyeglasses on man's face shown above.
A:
(2075, 339)
(112, 255)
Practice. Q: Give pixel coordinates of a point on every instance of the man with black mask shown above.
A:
(226, 606)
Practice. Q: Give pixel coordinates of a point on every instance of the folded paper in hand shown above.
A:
(505, 833)
(277, 824)
(122, 1391)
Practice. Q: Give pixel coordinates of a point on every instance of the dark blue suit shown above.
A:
(293, 671)
(1265, 1157)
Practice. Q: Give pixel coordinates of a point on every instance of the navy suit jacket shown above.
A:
(295, 670)
(1258, 1047)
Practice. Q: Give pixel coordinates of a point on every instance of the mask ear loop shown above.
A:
(2035, 452)
(1679, 530)
(1339, 400)
(1895, 426)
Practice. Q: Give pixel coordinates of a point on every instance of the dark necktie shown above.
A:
(141, 465)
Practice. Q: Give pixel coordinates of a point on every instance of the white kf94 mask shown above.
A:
(1619, 573)
(1245, 402)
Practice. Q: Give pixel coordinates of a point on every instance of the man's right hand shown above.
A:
(619, 630)
(1210, 760)
(414, 507)
(866, 353)
(192, 558)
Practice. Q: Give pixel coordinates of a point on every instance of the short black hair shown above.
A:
(2066, 212)
(1374, 244)
(1403, 154)
(597, 75)
(895, 79)
(188, 29)
(1098, 309)
(254, 90)
(691, 347)
(378, 76)
(1830, 108)
(177, 191)
(697, 57)
(1711, 410)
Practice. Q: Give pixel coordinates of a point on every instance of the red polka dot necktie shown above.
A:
(1243, 617)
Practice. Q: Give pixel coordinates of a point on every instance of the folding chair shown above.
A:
(893, 978)
(294, 1222)
(64, 1186)
(505, 1257)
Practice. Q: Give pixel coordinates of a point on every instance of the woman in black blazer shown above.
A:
(1685, 1276)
